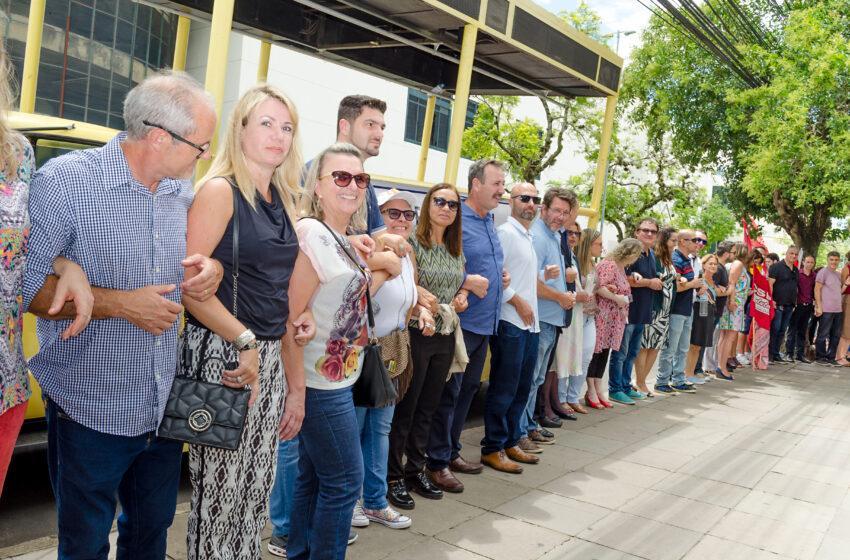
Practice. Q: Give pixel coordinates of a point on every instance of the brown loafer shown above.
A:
(577, 407)
(520, 456)
(500, 462)
(445, 480)
(461, 465)
(537, 437)
(528, 446)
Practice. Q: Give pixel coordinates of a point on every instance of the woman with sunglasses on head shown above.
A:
(704, 310)
(437, 248)
(393, 305)
(252, 181)
(655, 333)
(588, 250)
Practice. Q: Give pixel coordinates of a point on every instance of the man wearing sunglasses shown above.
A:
(120, 212)
(644, 281)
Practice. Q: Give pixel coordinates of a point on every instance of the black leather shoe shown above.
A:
(550, 422)
(546, 433)
(398, 495)
(423, 486)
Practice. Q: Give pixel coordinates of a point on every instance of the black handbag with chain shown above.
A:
(200, 412)
(374, 388)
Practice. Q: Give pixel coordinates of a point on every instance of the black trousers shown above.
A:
(431, 357)
(798, 331)
(829, 331)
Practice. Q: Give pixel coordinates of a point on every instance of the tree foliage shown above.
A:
(783, 148)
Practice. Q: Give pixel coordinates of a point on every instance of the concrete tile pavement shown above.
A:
(757, 469)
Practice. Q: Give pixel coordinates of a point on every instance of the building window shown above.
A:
(415, 121)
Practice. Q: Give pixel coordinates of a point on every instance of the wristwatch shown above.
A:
(246, 341)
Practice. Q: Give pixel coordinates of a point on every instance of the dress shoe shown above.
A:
(804, 360)
(499, 461)
(563, 412)
(546, 433)
(578, 408)
(516, 454)
(461, 465)
(550, 422)
(528, 446)
(445, 480)
(398, 495)
(537, 437)
(423, 486)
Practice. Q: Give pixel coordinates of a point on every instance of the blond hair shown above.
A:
(626, 249)
(231, 162)
(310, 205)
(11, 142)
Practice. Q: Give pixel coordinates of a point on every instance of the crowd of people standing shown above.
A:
(110, 246)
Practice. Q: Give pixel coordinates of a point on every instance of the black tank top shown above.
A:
(268, 247)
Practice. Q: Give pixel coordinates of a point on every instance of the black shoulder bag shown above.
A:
(204, 413)
(374, 388)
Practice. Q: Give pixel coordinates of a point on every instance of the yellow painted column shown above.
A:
(181, 43)
(464, 77)
(222, 20)
(426, 136)
(602, 162)
(263, 68)
(32, 56)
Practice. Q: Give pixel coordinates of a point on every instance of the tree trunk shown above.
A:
(806, 226)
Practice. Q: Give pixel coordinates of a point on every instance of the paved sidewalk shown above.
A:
(751, 470)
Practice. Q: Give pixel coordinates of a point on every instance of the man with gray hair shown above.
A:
(119, 211)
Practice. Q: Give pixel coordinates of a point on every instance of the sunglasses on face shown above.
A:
(574, 233)
(343, 178)
(395, 214)
(526, 198)
(700, 241)
(201, 149)
(441, 202)
(648, 231)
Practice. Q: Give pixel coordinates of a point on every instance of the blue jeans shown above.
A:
(513, 356)
(447, 423)
(671, 363)
(778, 329)
(620, 368)
(545, 347)
(280, 500)
(88, 469)
(330, 476)
(374, 426)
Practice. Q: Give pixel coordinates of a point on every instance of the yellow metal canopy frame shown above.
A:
(451, 48)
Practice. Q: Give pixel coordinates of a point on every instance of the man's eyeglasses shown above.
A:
(395, 214)
(526, 198)
(700, 240)
(201, 149)
(558, 213)
(648, 231)
(343, 178)
(441, 202)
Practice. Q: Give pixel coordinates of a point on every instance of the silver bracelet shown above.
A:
(245, 341)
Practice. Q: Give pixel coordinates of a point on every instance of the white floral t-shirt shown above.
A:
(333, 359)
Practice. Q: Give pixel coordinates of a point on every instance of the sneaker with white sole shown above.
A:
(743, 360)
(359, 519)
(389, 517)
(352, 537)
(277, 546)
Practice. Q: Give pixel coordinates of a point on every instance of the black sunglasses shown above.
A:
(526, 198)
(700, 240)
(201, 149)
(395, 214)
(343, 179)
(576, 233)
(440, 202)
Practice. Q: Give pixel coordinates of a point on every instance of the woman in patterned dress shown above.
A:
(612, 297)
(589, 249)
(734, 315)
(254, 178)
(655, 333)
(17, 164)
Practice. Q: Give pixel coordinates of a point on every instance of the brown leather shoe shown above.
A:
(577, 407)
(445, 480)
(537, 437)
(461, 465)
(528, 446)
(520, 456)
(500, 462)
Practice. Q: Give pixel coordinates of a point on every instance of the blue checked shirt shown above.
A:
(484, 256)
(113, 377)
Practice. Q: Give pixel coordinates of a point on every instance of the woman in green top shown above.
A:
(440, 263)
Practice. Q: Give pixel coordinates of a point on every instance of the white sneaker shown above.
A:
(742, 359)
(359, 519)
(389, 517)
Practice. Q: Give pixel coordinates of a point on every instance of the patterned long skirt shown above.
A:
(230, 489)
